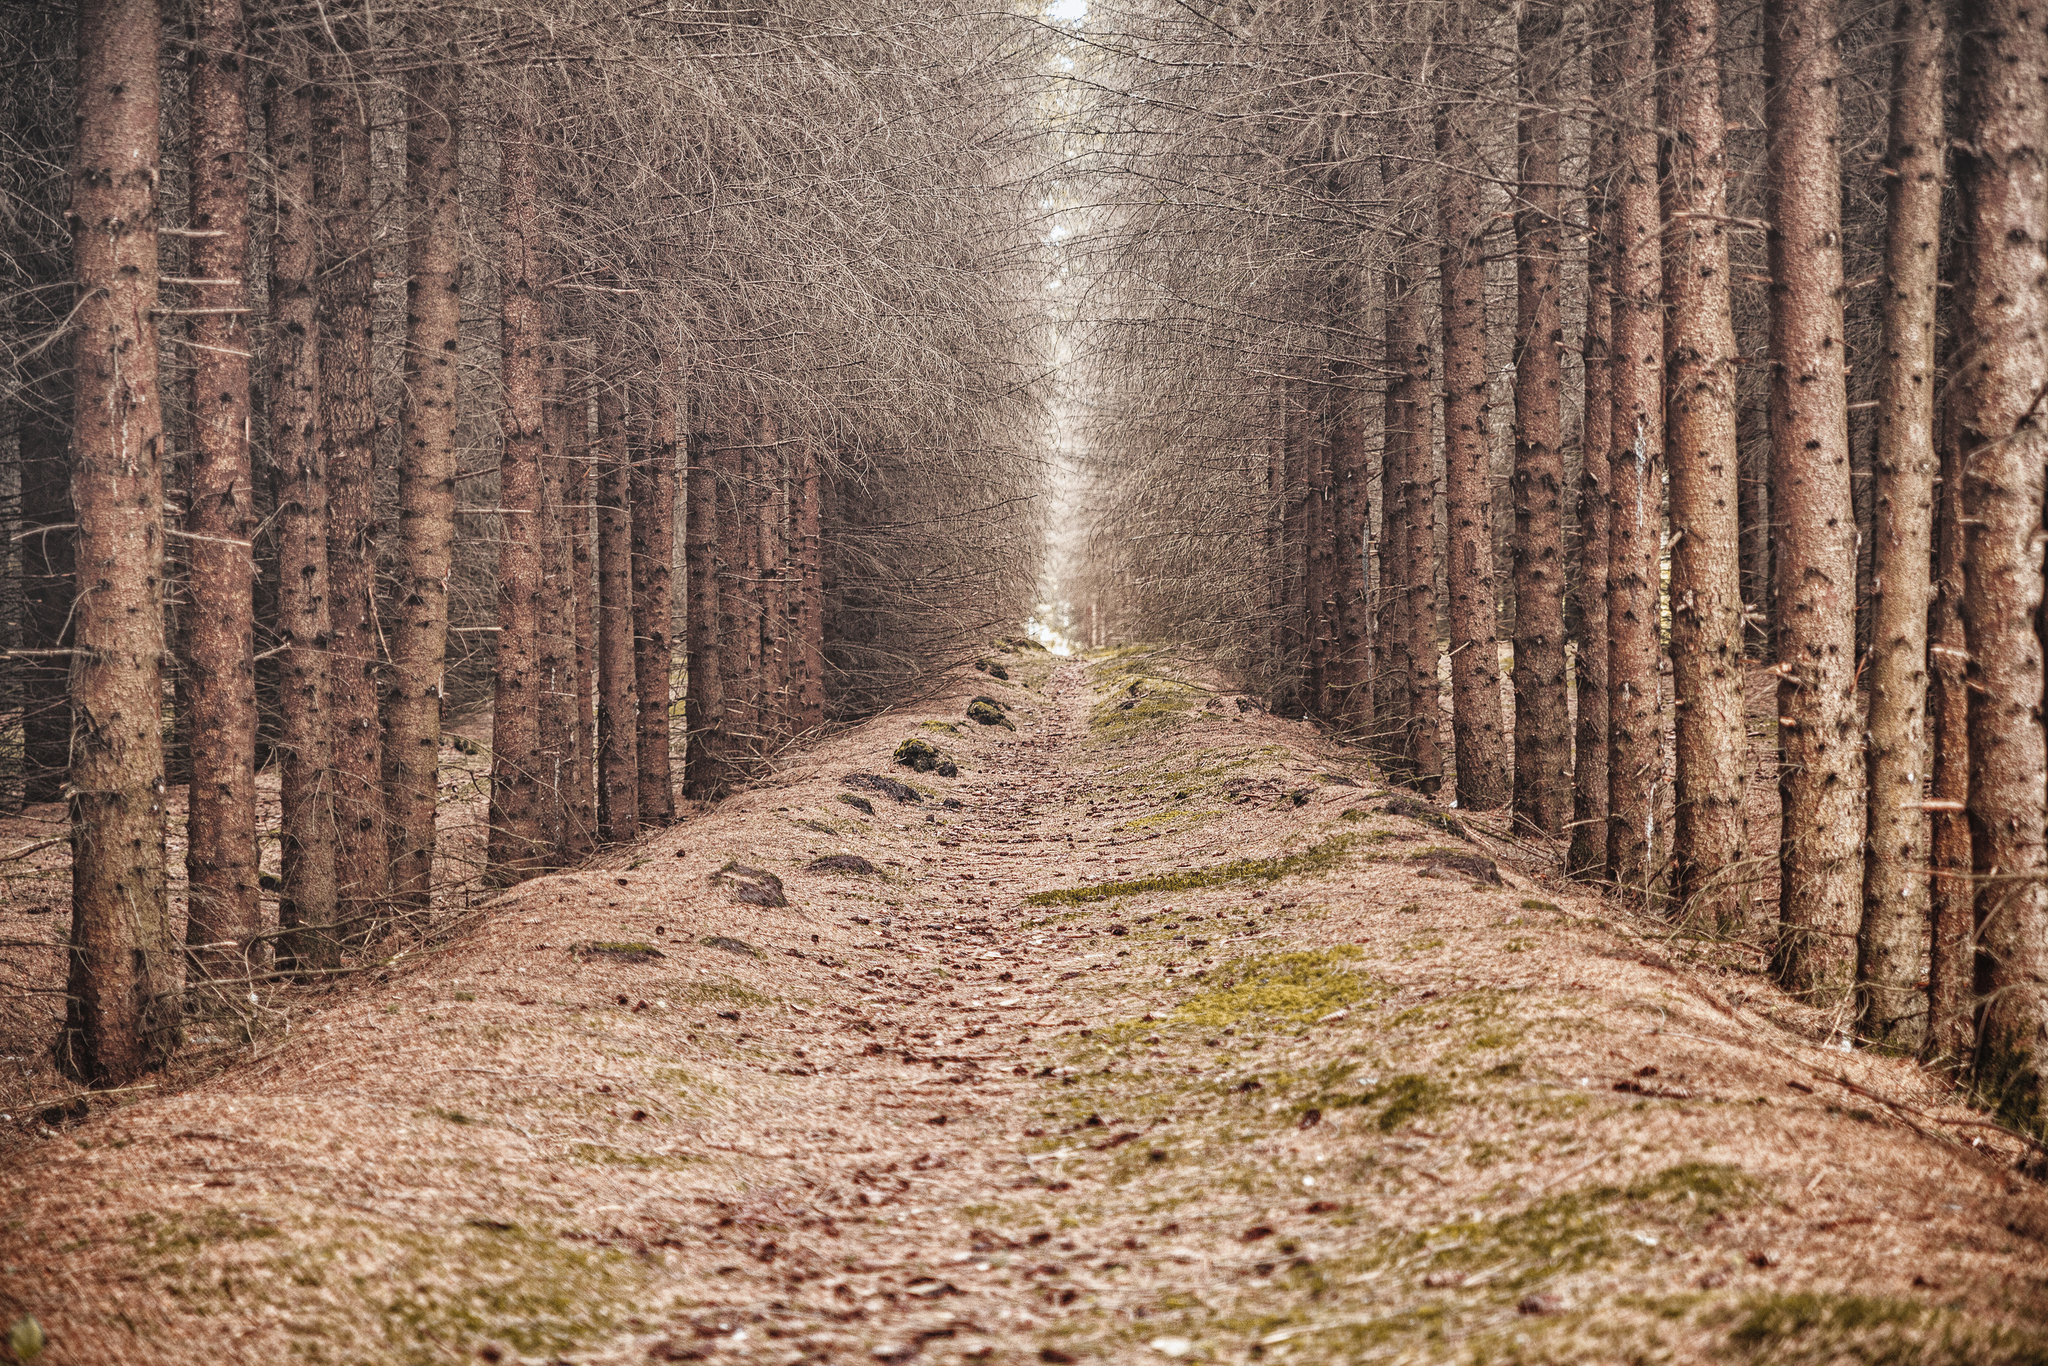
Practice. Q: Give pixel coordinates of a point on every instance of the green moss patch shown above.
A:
(1809, 1329)
(1317, 858)
(1283, 988)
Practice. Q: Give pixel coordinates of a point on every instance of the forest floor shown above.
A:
(1164, 1031)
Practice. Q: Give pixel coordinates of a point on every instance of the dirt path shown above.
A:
(1177, 1037)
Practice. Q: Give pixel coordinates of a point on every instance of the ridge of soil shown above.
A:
(1170, 1041)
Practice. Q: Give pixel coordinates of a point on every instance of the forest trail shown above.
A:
(1332, 1076)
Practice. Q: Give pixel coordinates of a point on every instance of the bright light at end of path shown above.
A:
(1049, 638)
(1066, 11)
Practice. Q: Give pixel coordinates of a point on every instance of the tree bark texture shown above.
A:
(810, 614)
(122, 1012)
(654, 539)
(1821, 773)
(217, 652)
(557, 663)
(770, 558)
(348, 423)
(1347, 672)
(1294, 547)
(2001, 372)
(1468, 491)
(1635, 762)
(426, 482)
(1586, 856)
(304, 743)
(705, 772)
(1893, 939)
(517, 844)
(1543, 735)
(618, 719)
(1709, 846)
(576, 504)
(1952, 953)
(1408, 427)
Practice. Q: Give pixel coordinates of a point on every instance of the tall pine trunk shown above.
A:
(705, 775)
(1820, 770)
(217, 626)
(1893, 943)
(518, 844)
(1706, 604)
(2001, 374)
(1586, 856)
(1408, 423)
(1543, 786)
(426, 482)
(557, 608)
(1468, 489)
(348, 426)
(809, 712)
(1347, 672)
(769, 556)
(618, 774)
(1635, 762)
(654, 536)
(122, 1008)
(293, 398)
(577, 494)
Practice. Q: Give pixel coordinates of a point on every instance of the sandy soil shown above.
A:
(1178, 1037)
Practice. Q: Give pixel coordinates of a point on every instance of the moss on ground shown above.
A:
(1807, 1328)
(1317, 858)
(1284, 988)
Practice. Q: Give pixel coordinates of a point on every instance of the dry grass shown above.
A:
(1370, 1110)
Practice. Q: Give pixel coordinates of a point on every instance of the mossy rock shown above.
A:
(754, 886)
(1442, 863)
(988, 712)
(922, 756)
(1416, 809)
(840, 863)
(622, 953)
(888, 787)
(992, 669)
(727, 944)
(860, 804)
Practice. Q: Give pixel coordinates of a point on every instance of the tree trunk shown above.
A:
(557, 609)
(1706, 615)
(618, 719)
(426, 476)
(1468, 488)
(1543, 759)
(1347, 675)
(744, 702)
(705, 775)
(518, 846)
(576, 503)
(1635, 760)
(123, 986)
(217, 627)
(1408, 407)
(1586, 856)
(810, 615)
(348, 422)
(1820, 773)
(769, 555)
(293, 399)
(1952, 954)
(2003, 370)
(1318, 535)
(1892, 943)
(1294, 536)
(654, 540)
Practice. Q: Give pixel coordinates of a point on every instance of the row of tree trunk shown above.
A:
(609, 456)
(1939, 931)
